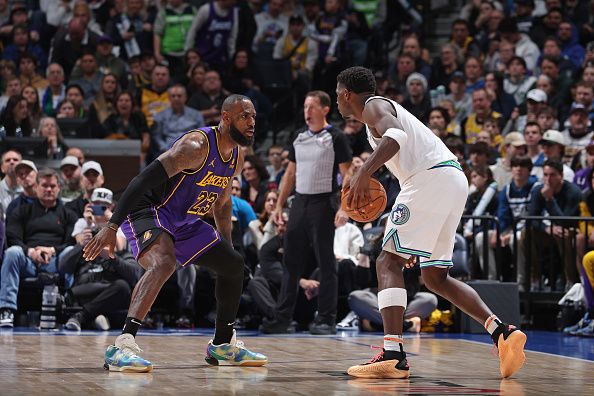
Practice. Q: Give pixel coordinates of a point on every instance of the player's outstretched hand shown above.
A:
(358, 190)
(105, 238)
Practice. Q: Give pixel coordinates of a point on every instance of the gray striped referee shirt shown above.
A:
(317, 156)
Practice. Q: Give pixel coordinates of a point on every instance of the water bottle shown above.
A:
(433, 95)
(441, 93)
(18, 132)
(49, 307)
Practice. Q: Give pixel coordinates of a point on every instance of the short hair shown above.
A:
(479, 148)
(454, 143)
(557, 165)
(75, 86)
(274, 146)
(553, 59)
(11, 151)
(516, 58)
(232, 99)
(178, 86)
(357, 79)
(30, 56)
(322, 96)
(48, 172)
(553, 39)
(484, 171)
(54, 64)
(533, 123)
(461, 21)
(584, 84)
(522, 161)
(444, 113)
(547, 110)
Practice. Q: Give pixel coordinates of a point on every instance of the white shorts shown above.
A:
(426, 214)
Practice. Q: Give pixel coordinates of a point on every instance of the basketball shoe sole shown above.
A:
(511, 353)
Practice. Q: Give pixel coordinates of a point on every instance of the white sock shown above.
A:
(492, 323)
(393, 342)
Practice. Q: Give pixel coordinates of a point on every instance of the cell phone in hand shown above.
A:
(98, 210)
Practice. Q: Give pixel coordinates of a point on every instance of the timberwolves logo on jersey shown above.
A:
(400, 214)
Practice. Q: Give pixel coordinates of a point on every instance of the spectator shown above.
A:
(524, 18)
(105, 284)
(271, 24)
(552, 48)
(584, 94)
(7, 71)
(197, 74)
(174, 121)
(418, 103)
(502, 102)
(154, 98)
(405, 66)
(518, 82)
(31, 95)
(191, 59)
(524, 46)
(171, 27)
(513, 145)
(547, 118)
(26, 174)
(255, 185)
(56, 147)
(547, 26)
(275, 166)
(478, 154)
(263, 228)
(215, 19)
(55, 93)
(90, 79)
(411, 46)
(210, 100)
(92, 178)
(553, 148)
(481, 110)
(438, 121)
(311, 222)
(462, 38)
(454, 126)
(13, 88)
(66, 110)
(536, 99)
(444, 66)
(15, 117)
(550, 67)
(533, 135)
(9, 186)
(107, 62)
(460, 98)
(28, 72)
(507, 50)
(132, 28)
(38, 235)
(481, 201)
(21, 44)
(70, 173)
(78, 153)
(103, 104)
(69, 44)
(76, 95)
(558, 197)
(474, 74)
(127, 123)
(357, 35)
(578, 134)
(571, 47)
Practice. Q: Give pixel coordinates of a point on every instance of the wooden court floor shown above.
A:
(71, 364)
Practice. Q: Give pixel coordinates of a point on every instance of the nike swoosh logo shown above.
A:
(135, 322)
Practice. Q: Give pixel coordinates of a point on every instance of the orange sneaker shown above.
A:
(510, 346)
(381, 366)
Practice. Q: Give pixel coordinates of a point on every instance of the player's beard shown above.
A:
(239, 137)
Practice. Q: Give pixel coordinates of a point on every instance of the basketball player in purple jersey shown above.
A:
(160, 213)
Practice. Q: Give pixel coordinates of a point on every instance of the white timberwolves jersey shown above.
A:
(419, 150)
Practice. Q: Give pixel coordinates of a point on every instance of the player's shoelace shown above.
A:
(131, 350)
(378, 357)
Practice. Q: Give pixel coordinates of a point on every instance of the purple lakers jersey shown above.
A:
(189, 195)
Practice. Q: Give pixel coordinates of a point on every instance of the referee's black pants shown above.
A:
(311, 226)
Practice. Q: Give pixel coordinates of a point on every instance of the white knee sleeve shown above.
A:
(394, 296)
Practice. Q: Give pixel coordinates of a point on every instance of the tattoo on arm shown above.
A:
(189, 152)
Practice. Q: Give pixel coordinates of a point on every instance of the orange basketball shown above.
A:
(373, 209)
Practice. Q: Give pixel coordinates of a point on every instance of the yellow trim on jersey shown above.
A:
(216, 129)
(201, 250)
(207, 152)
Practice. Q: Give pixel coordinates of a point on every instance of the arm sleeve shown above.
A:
(150, 177)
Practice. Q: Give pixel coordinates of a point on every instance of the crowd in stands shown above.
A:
(511, 93)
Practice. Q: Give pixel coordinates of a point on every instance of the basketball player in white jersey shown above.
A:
(422, 223)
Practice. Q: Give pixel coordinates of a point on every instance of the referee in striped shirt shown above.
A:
(316, 157)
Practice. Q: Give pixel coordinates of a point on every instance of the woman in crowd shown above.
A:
(31, 95)
(255, 177)
(439, 120)
(502, 102)
(263, 228)
(104, 103)
(15, 117)
(48, 127)
(197, 73)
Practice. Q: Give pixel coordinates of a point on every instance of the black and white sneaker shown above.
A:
(6, 317)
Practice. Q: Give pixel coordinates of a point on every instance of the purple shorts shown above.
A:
(191, 240)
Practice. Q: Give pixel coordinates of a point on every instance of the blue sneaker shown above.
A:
(123, 356)
(586, 331)
(573, 330)
(233, 354)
